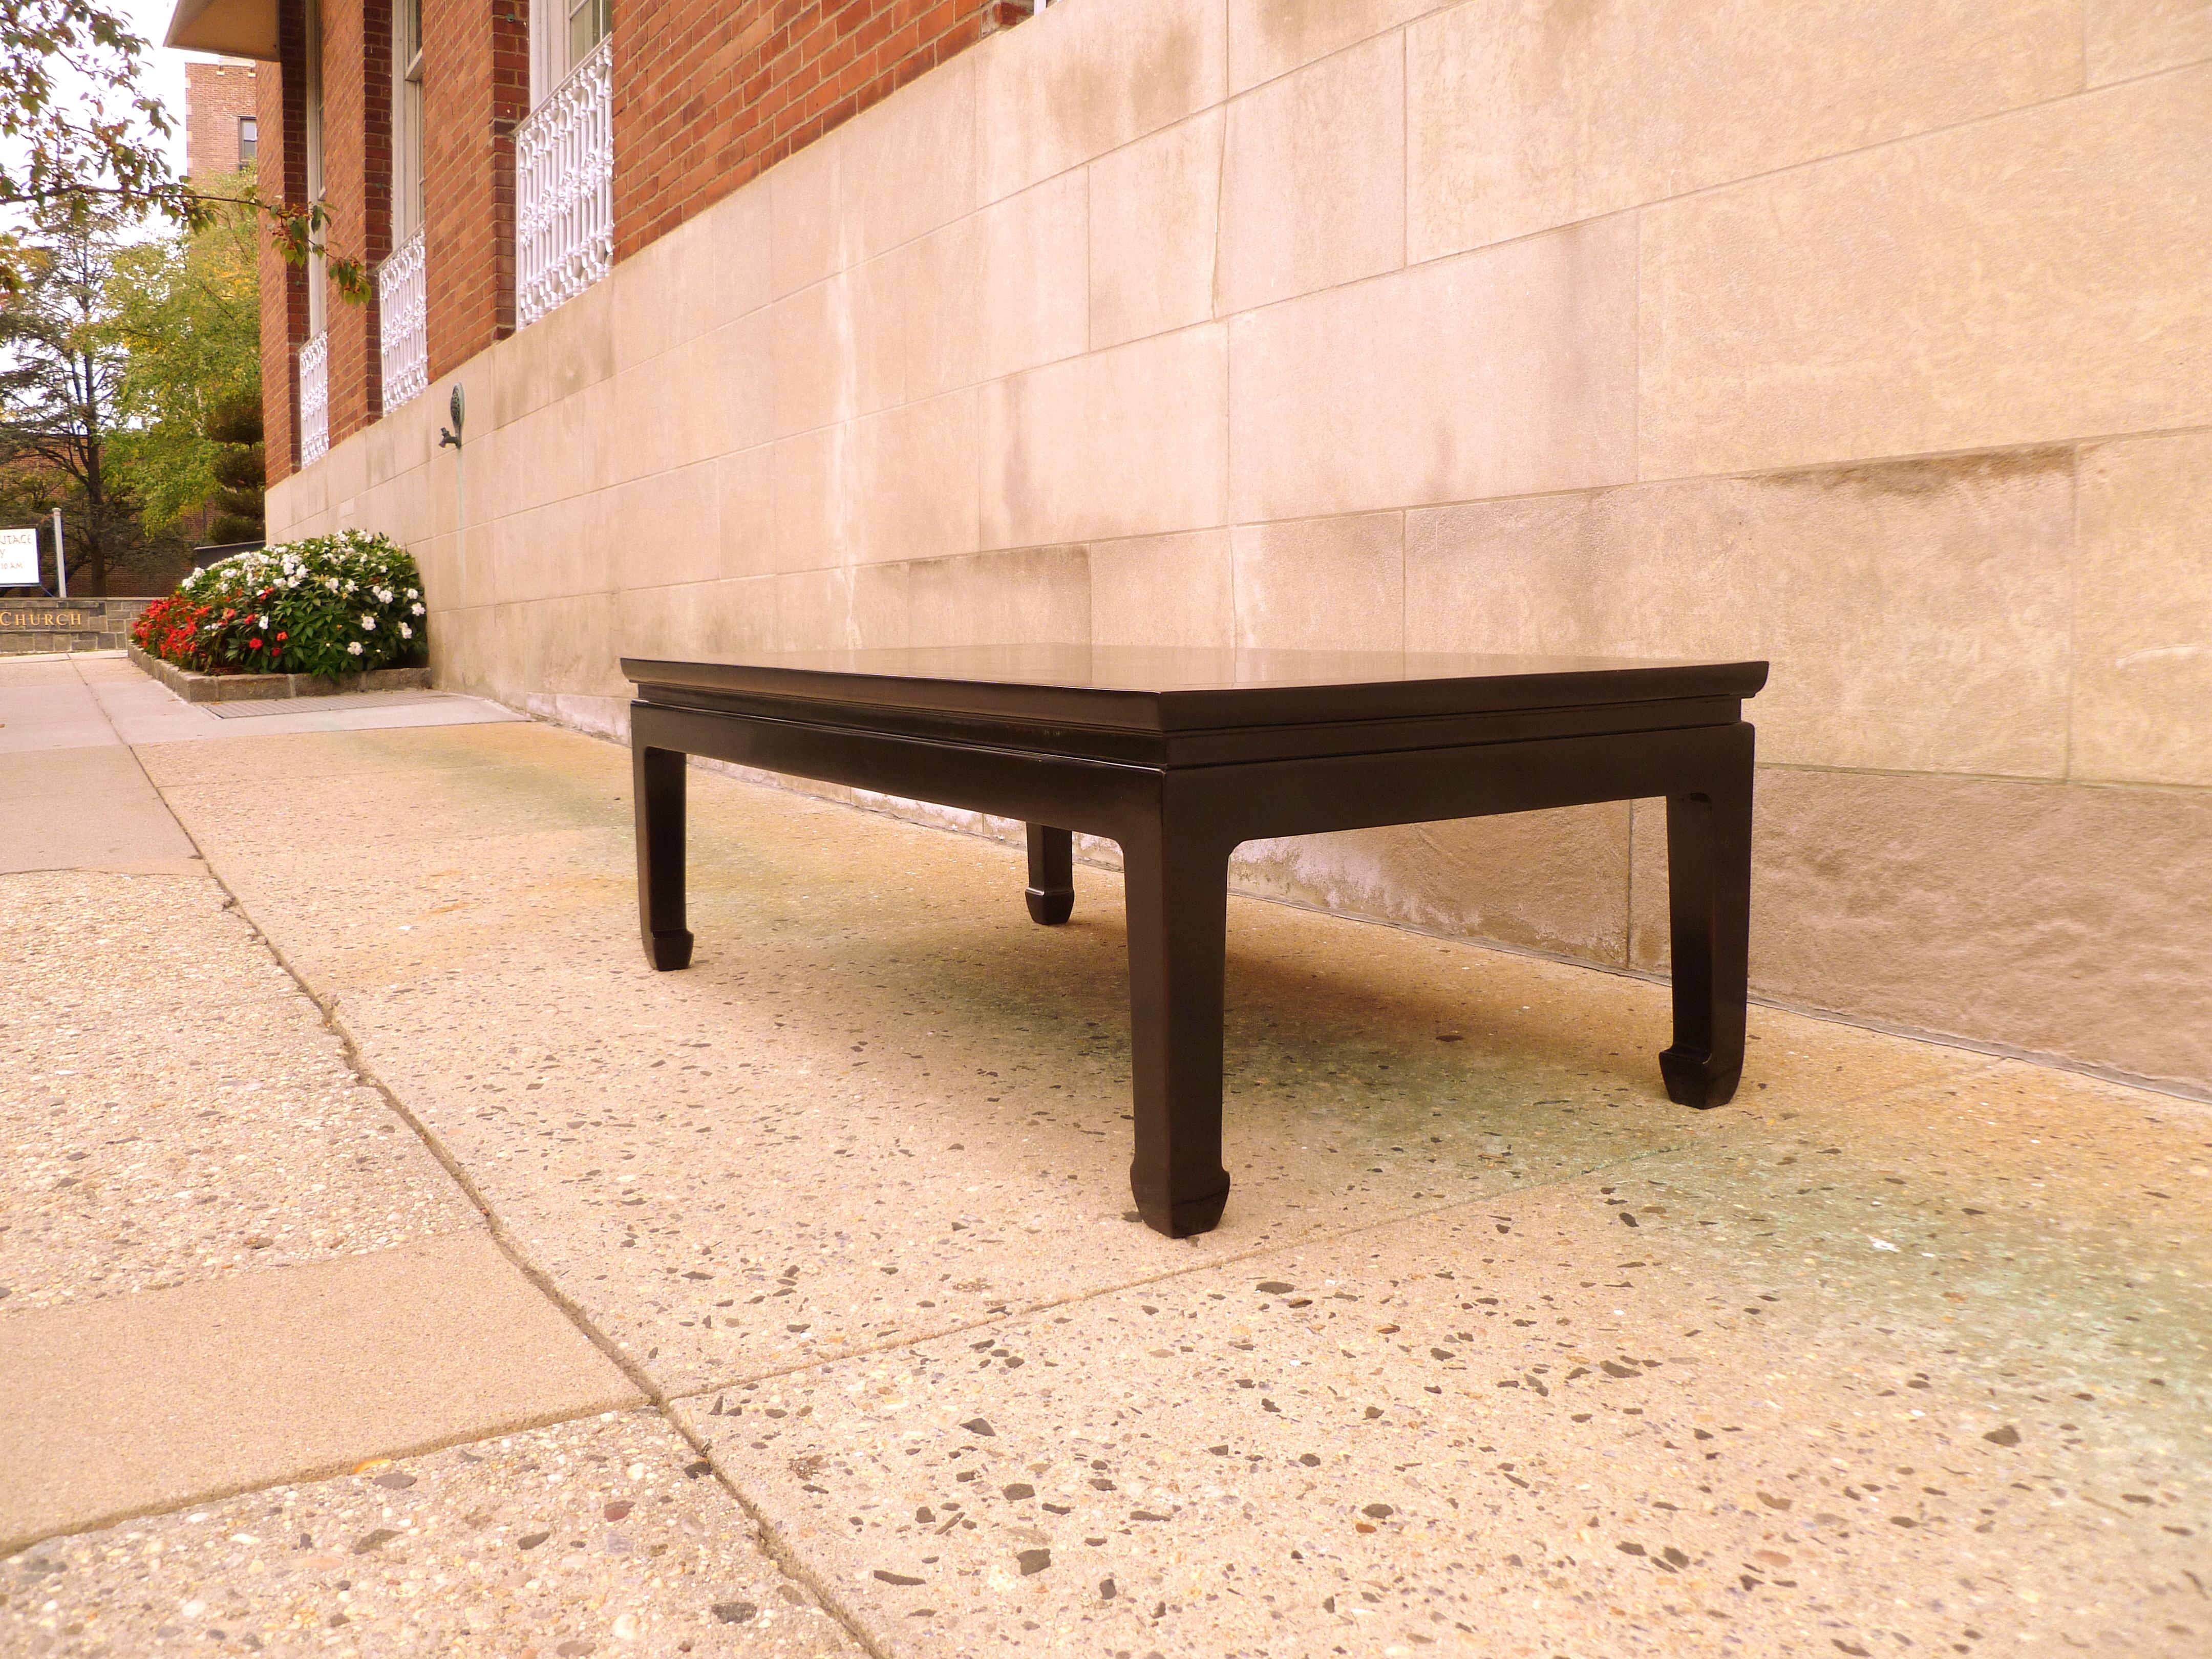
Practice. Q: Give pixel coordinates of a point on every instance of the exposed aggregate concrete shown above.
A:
(603, 1536)
(163, 1126)
(1496, 1352)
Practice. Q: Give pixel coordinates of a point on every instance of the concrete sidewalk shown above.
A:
(229, 1265)
(789, 1305)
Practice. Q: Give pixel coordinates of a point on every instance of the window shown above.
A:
(562, 35)
(403, 293)
(406, 119)
(564, 158)
(587, 25)
(314, 403)
(249, 130)
(317, 300)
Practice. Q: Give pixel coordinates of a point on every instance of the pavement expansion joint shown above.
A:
(200, 1497)
(1008, 1318)
(773, 1545)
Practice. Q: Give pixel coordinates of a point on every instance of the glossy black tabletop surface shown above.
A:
(1172, 688)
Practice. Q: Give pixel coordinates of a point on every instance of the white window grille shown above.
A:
(315, 398)
(564, 177)
(403, 304)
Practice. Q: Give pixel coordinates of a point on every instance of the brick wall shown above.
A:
(476, 86)
(709, 94)
(216, 97)
(283, 98)
(357, 183)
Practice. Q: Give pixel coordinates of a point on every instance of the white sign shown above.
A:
(19, 558)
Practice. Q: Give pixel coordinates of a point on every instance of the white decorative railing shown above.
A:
(564, 187)
(403, 304)
(315, 398)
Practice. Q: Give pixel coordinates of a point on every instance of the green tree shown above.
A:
(241, 472)
(61, 366)
(186, 309)
(76, 134)
(79, 139)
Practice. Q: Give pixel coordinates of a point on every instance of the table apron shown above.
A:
(1098, 798)
(1242, 801)
(1365, 792)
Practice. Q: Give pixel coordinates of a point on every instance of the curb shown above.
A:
(261, 688)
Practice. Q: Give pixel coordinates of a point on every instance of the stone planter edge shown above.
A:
(234, 688)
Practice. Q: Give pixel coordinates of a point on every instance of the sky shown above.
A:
(164, 74)
(164, 69)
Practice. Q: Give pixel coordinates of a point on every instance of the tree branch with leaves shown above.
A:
(81, 137)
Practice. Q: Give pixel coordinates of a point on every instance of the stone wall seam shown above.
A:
(2095, 192)
(2109, 785)
(1643, 74)
(2073, 569)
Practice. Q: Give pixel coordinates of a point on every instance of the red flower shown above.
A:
(282, 637)
(256, 646)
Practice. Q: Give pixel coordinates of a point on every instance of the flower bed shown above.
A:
(328, 606)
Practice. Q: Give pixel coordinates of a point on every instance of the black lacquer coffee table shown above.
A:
(1179, 755)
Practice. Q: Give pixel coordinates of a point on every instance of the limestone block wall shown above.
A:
(1873, 339)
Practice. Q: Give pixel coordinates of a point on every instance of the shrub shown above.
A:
(166, 628)
(328, 605)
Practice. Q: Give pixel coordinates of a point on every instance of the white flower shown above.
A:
(418, 608)
(354, 650)
(333, 582)
(263, 622)
(367, 622)
(405, 632)
(412, 594)
(349, 587)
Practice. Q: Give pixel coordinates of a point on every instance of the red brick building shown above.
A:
(222, 114)
(430, 128)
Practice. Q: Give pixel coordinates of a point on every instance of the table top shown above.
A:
(1174, 688)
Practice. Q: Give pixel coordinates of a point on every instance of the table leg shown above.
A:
(1052, 875)
(657, 776)
(1177, 891)
(1708, 894)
